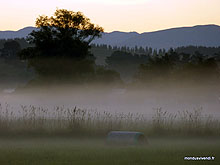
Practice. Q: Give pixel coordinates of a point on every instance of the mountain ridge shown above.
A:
(199, 35)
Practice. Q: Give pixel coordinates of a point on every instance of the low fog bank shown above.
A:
(119, 99)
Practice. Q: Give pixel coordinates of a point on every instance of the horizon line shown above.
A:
(178, 27)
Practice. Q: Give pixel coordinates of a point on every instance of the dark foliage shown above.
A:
(61, 48)
(210, 51)
(125, 63)
(10, 49)
(174, 66)
(66, 34)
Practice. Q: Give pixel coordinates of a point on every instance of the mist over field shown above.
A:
(110, 83)
(125, 100)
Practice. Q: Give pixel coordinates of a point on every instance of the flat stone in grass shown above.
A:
(126, 137)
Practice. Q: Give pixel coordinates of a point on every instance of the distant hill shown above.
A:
(22, 33)
(202, 35)
(116, 38)
(208, 35)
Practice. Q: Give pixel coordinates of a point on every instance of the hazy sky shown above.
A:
(121, 15)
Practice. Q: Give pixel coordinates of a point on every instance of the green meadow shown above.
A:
(37, 135)
(70, 151)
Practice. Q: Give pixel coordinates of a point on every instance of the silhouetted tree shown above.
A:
(174, 66)
(66, 34)
(61, 46)
(156, 67)
(200, 68)
(107, 75)
(125, 63)
(10, 49)
(201, 49)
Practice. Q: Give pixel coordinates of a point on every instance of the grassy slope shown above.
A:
(57, 151)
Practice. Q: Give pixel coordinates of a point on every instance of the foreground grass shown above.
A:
(67, 151)
(76, 122)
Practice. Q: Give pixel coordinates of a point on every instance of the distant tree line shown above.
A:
(10, 49)
(13, 71)
(22, 42)
(150, 51)
(61, 50)
(160, 65)
(210, 51)
(134, 50)
(180, 67)
(125, 63)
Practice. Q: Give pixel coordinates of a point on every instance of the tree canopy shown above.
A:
(125, 63)
(66, 33)
(61, 51)
(174, 66)
(10, 49)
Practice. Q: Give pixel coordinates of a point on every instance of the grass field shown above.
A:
(67, 151)
(62, 136)
(75, 122)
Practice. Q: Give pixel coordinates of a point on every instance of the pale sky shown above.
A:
(115, 15)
